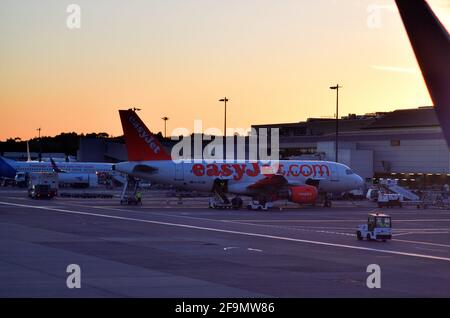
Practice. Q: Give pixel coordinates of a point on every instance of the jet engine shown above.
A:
(303, 194)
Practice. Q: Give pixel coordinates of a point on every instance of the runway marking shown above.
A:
(317, 227)
(17, 198)
(230, 248)
(224, 221)
(308, 229)
(248, 249)
(423, 243)
(339, 220)
(289, 239)
(428, 232)
(331, 229)
(400, 234)
(425, 230)
(282, 221)
(237, 221)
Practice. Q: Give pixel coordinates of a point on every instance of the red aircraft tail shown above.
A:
(142, 145)
(431, 43)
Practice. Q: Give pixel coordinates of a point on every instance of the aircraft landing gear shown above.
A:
(325, 200)
(217, 202)
(237, 203)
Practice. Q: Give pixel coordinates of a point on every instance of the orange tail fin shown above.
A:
(142, 145)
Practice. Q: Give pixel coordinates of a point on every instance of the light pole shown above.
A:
(40, 144)
(224, 100)
(165, 125)
(336, 146)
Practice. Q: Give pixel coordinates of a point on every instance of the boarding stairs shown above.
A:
(129, 190)
(392, 186)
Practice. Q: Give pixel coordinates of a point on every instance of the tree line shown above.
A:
(67, 143)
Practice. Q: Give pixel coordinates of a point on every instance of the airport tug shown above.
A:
(378, 227)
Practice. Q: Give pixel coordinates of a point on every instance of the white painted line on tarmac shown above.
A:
(17, 198)
(400, 234)
(184, 216)
(427, 233)
(426, 230)
(290, 239)
(254, 249)
(338, 220)
(423, 243)
(297, 220)
(230, 248)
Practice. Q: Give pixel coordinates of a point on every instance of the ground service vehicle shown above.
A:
(372, 195)
(21, 179)
(378, 227)
(258, 205)
(42, 185)
(389, 199)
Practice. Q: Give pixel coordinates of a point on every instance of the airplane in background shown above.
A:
(73, 172)
(431, 44)
(295, 180)
(77, 174)
(59, 159)
(76, 179)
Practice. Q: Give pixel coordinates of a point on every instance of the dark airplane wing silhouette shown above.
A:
(431, 43)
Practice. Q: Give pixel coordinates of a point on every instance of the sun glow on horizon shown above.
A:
(275, 60)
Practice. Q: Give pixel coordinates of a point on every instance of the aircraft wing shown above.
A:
(272, 181)
(276, 181)
(144, 169)
(431, 44)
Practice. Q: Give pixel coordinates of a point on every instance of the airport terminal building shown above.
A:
(406, 144)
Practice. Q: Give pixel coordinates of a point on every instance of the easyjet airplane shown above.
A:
(298, 181)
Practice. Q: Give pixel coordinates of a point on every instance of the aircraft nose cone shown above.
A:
(359, 181)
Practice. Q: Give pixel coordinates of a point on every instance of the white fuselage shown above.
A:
(68, 167)
(200, 176)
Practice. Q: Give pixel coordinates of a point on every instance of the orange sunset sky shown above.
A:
(274, 59)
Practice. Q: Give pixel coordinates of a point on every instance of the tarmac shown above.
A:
(179, 248)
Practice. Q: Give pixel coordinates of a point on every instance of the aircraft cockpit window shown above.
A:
(349, 171)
